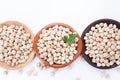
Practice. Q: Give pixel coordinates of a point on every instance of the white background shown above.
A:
(77, 13)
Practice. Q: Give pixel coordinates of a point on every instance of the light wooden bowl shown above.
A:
(79, 48)
(31, 56)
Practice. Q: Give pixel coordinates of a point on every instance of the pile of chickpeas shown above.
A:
(103, 44)
(15, 45)
(53, 49)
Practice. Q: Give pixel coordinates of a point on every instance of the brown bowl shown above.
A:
(31, 56)
(79, 48)
(86, 57)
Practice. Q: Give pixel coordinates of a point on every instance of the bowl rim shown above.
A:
(31, 56)
(87, 29)
(79, 47)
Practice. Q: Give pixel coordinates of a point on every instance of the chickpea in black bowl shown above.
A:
(101, 44)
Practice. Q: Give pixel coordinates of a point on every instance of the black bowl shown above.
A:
(86, 57)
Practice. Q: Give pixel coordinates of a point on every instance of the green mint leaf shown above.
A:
(72, 36)
(71, 39)
(65, 38)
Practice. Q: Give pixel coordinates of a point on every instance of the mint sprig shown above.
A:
(70, 39)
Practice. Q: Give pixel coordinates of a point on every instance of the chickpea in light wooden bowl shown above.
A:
(16, 45)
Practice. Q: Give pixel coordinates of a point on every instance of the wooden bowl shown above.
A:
(79, 48)
(86, 57)
(31, 56)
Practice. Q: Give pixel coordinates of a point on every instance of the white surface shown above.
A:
(77, 13)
